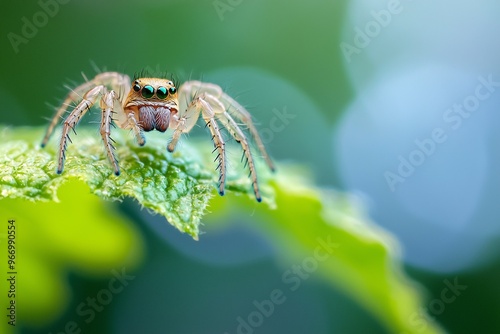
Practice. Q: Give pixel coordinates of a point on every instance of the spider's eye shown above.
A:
(172, 90)
(161, 92)
(137, 87)
(148, 91)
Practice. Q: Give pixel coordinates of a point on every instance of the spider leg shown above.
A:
(136, 127)
(244, 116)
(188, 120)
(182, 125)
(192, 88)
(118, 82)
(72, 120)
(187, 116)
(220, 146)
(212, 107)
(73, 96)
(225, 118)
(179, 129)
(107, 106)
(239, 136)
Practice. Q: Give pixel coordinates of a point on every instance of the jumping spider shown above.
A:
(148, 104)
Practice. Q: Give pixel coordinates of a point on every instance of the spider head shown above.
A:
(152, 100)
(153, 89)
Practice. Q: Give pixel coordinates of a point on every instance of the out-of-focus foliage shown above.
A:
(78, 233)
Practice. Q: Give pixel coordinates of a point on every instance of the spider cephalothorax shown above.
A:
(148, 104)
(153, 101)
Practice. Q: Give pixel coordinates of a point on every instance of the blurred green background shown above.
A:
(275, 57)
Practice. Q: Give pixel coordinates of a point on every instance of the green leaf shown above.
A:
(178, 186)
(325, 232)
(79, 233)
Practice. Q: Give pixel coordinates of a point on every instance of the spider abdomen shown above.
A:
(154, 118)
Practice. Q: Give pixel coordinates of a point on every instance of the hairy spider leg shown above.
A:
(117, 81)
(238, 135)
(191, 88)
(235, 131)
(72, 120)
(107, 106)
(136, 127)
(219, 145)
(243, 115)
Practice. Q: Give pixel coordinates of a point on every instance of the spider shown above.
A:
(150, 103)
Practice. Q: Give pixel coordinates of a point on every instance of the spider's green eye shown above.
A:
(161, 92)
(172, 90)
(137, 87)
(148, 91)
